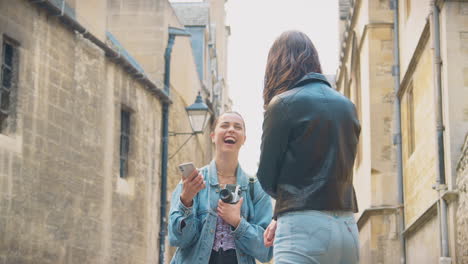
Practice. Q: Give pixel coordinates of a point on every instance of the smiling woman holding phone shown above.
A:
(207, 229)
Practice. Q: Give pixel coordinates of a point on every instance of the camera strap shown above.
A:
(251, 188)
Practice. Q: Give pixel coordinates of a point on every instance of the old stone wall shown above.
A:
(379, 238)
(462, 210)
(61, 197)
(419, 165)
(422, 246)
(381, 105)
(455, 80)
(365, 77)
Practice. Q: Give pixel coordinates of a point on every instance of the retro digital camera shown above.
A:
(231, 193)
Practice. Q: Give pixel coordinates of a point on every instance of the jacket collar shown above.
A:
(241, 177)
(311, 77)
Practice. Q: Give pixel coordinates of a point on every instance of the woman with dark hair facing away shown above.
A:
(309, 140)
(218, 214)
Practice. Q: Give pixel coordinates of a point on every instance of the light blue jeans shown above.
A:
(314, 237)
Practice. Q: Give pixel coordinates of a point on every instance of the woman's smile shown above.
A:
(230, 140)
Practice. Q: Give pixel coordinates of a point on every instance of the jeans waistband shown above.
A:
(338, 213)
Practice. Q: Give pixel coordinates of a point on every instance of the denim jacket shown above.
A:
(195, 237)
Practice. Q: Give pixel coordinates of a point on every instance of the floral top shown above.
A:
(192, 229)
(223, 236)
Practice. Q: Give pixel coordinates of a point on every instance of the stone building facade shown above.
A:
(205, 20)
(462, 210)
(80, 119)
(407, 228)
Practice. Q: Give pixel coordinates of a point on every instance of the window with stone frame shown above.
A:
(125, 122)
(8, 82)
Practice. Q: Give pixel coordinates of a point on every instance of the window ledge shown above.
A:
(11, 143)
(126, 186)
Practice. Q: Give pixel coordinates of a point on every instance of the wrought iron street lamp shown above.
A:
(198, 114)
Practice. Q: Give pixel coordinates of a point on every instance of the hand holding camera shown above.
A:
(230, 213)
(230, 204)
(192, 182)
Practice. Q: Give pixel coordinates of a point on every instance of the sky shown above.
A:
(255, 24)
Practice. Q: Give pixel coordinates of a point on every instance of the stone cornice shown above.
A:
(381, 210)
(370, 26)
(423, 218)
(429, 213)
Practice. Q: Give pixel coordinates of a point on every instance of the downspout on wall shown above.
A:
(440, 185)
(173, 32)
(164, 150)
(397, 129)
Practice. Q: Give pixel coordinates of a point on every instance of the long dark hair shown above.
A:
(290, 58)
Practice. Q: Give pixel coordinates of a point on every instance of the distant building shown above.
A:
(429, 224)
(205, 20)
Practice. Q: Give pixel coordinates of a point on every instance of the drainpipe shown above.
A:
(397, 129)
(440, 185)
(173, 32)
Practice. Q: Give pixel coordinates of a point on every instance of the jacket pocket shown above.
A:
(202, 216)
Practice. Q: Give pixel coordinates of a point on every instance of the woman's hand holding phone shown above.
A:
(191, 185)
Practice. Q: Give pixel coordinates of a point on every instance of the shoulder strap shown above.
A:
(251, 187)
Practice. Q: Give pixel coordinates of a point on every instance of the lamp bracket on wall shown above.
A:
(183, 133)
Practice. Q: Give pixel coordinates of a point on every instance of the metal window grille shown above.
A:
(124, 142)
(7, 81)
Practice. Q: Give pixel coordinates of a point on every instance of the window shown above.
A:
(124, 142)
(410, 121)
(8, 82)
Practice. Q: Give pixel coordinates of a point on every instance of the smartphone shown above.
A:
(186, 169)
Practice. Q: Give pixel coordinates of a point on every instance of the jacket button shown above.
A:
(211, 231)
